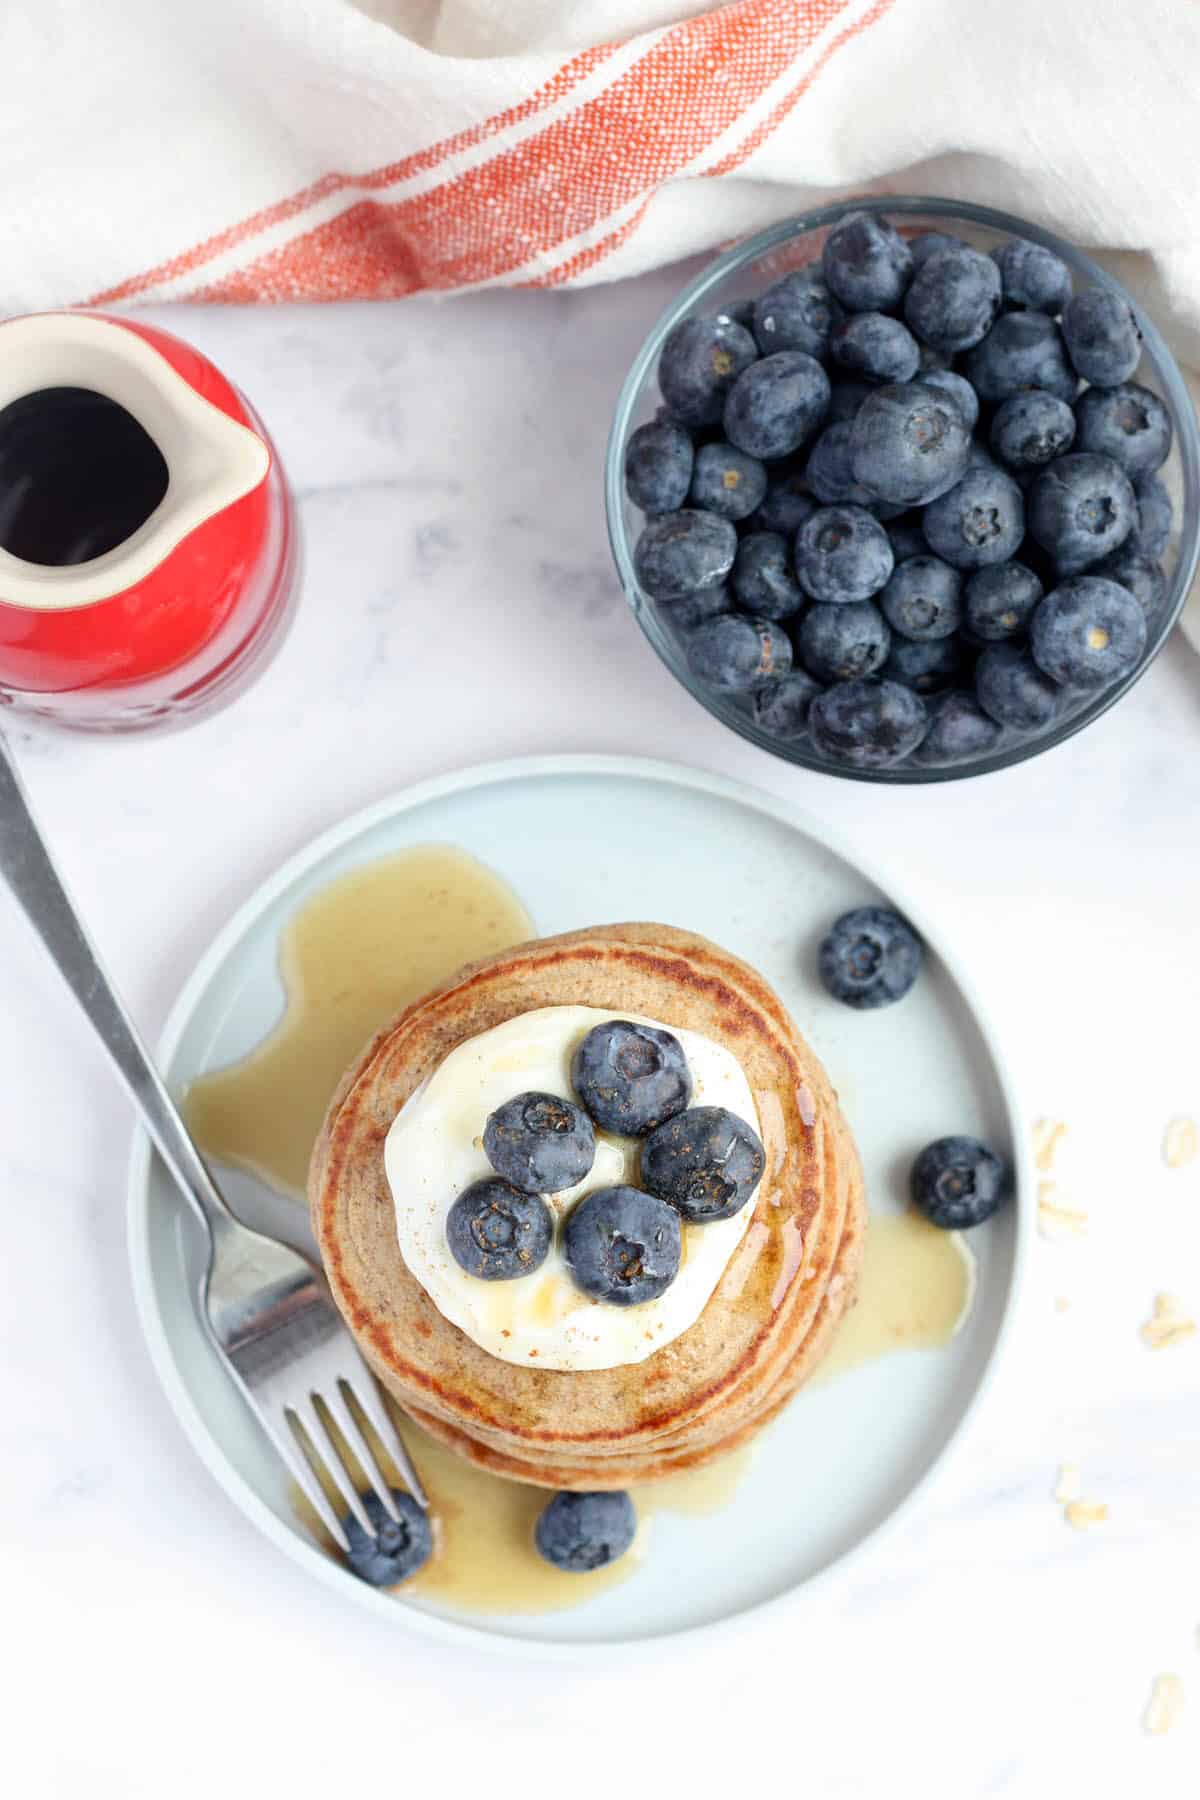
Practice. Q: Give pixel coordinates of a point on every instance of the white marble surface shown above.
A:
(459, 605)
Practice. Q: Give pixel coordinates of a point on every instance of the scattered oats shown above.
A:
(1083, 1513)
(1164, 1706)
(1181, 1143)
(1061, 1303)
(1069, 1485)
(1170, 1323)
(1057, 1222)
(1047, 1135)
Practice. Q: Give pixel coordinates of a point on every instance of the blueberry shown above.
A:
(581, 1532)
(1081, 508)
(980, 521)
(681, 552)
(1012, 689)
(1128, 423)
(828, 471)
(1032, 278)
(906, 538)
(775, 405)
(740, 311)
(928, 667)
(1140, 574)
(1031, 429)
(982, 458)
(909, 443)
(1103, 341)
(1155, 515)
(867, 724)
(705, 1162)
(622, 1245)
(684, 612)
(781, 706)
(797, 313)
(846, 398)
(733, 653)
(497, 1233)
(631, 1077)
(842, 554)
(788, 502)
(1022, 350)
(873, 345)
(727, 481)
(398, 1549)
(959, 731)
(840, 643)
(540, 1143)
(700, 361)
(1088, 632)
(929, 243)
(923, 598)
(866, 263)
(999, 601)
(658, 466)
(869, 958)
(763, 579)
(959, 389)
(958, 1182)
(954, 298)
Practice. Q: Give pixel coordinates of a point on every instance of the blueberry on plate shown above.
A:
(999, 601)
(1141, 575)
(866, 263)
(867, 724)
(928, 667)
(875, 346)
(763, 577)
(1022, 350)
(954, 297)
(909, 443)
(1128, 423)
(1032, 278)
(658, 466)
(980, 521)
(842, 643)
(928, 243)
(733, 653)
(776, 404)
(787, 503)
(1088, 632)
(540, 1142)
(869, 957)
(843, 554)
(958, 1182)
(798, 312)
(781, 706)
(1031, 429)
(700, 361)
(727, 482)
(623, 1245)
(1013, 690)
(906, 538)
(828, 472)
(681, 552)
(923, 598)
(705, 1162)
(1103, 341)
(959, 731)
(1081, 508)
(958, 389)
(582, 1532)
(496, 1232)
(846, 398)
(400, 1546)
(1155, 515)
(631, 1077)
(685, 611)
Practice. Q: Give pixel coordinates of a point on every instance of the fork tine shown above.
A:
(301, 1472)
(317, 1433)
(366, 1395)
(343, 1414)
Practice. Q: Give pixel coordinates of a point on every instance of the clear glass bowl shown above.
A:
(745, 271)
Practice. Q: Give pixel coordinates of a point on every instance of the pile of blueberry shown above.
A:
(621, 1244)
(883, 508)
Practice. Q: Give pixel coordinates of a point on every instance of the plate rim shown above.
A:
(336, 837)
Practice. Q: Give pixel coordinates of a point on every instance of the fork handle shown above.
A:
(26, 865)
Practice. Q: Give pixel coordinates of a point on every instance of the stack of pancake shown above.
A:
(774, 1311)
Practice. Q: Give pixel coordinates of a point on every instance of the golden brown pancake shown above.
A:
(771, 1316)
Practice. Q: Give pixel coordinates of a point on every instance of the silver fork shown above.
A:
(266, 1308)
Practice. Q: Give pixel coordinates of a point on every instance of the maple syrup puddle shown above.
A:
(353, 956)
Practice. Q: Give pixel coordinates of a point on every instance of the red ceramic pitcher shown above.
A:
(146, 531)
